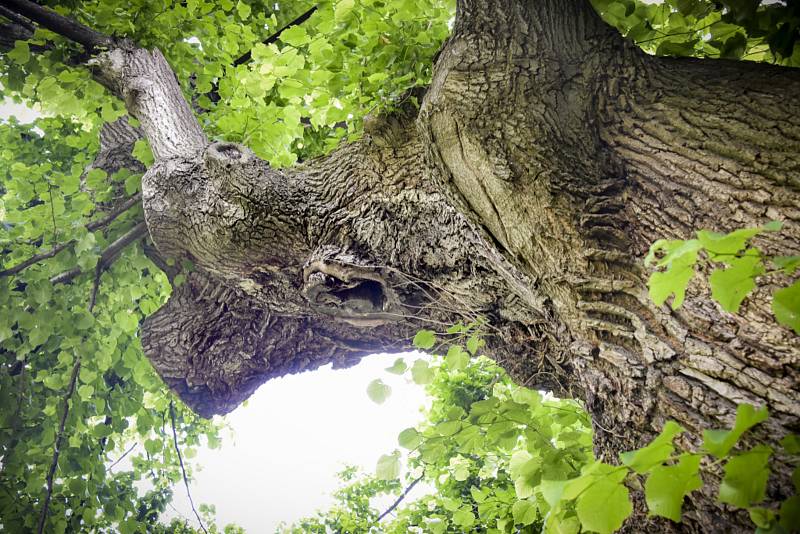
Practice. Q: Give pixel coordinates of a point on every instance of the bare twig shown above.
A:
(126, 453)
(57, 447)
(183, 469)
(107, 257)
(402, 496)
(92, 226)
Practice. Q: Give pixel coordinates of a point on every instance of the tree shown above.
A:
(546, 155)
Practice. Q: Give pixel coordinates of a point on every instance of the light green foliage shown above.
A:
(502, 458)
(733, 29)
(735, 263)
(118, 399)
(378, 392)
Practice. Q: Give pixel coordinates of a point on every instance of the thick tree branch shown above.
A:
(134, 200)
(59, 24)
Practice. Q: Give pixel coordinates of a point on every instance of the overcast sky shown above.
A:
(293, 436)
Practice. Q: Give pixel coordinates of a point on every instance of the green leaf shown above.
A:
(720, 442)
(342, 9)
(424, 339)
(727, 244)
(679, 260)
(243, 10)
(788, 264)
(791, 443)
(295, 36)
(464, 517)
(745, 480)
(20, 54)
(388, 467)
(762, 517)
(457, 359)
(378, 392)
(666, 486)
(85, 392)
(421, 373)
(398, 367)
(790, 513)
(655, 452)
(604, 506)
(525, 512)
(786, 306)
(409, 438)
(153, 446)
(730, 286)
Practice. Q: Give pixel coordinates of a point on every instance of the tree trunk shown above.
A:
(547, 155)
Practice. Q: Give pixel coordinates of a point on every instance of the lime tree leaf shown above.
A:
(552, 490)
(457, 359)
(655, 452)
(790, 513)
(378, 392)
(421, 373)
(788, 264)
(604, 506)
(679, 260)
(720, 442)
(409, 438)
(791, 443)
(730, 243)
(85, 392)
(295, 36)
(786, 306)
(424, 339)
(730, 286)
(745, 480)
(464, 517)
(667, 485)
(388, 467)
(524, 512)
(398, 367)
(762, 517)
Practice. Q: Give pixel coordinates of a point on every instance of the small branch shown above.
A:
(402, 496)
(274, 37)
(183, 470)
(59, 24)
(241, 60)
(126, 453)
(92, 226)
(107, 257)
(57, 448)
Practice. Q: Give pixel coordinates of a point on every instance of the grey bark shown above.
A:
(547, 155)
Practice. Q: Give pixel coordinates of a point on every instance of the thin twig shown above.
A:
(92, 226)
(183, 469)
(402, 496)
(126, 453)
(57, 447)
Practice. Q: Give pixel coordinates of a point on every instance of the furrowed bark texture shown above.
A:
(546, 157)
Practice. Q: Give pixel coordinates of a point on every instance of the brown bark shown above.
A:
(547, 155)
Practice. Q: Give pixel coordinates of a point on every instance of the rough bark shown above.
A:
(547, 155)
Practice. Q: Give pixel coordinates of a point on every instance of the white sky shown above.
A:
(291, 439)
